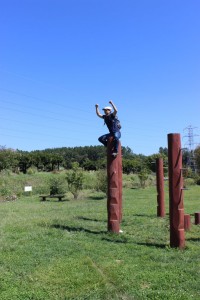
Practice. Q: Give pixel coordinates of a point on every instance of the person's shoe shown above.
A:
(114, 154)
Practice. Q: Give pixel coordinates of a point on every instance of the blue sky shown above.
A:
(58, 58)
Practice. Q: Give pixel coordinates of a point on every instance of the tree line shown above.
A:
(87, 157)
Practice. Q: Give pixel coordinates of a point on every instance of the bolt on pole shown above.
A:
(114, 201)
(176, 208)
(160, 188)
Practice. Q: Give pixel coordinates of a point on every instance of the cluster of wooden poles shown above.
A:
(179, 222)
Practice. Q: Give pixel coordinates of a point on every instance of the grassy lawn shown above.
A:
(61, 250)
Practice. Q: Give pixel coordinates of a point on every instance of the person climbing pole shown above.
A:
(113, 124)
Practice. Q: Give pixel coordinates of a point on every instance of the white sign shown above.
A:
(28, 188)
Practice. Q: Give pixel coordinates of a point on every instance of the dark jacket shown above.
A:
(111, 122)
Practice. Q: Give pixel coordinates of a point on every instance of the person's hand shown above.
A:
(96, 105)
(110, 102)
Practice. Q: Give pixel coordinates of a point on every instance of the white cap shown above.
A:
(107, 107)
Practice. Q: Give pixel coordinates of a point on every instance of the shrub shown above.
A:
(189, 182)
(143, 176)
(135, 182)
(56, 185)
(75, 180)
(9, 188)
(6, 172)
(31, 170)
(90, 180)
(197, 180)
(5, 190)
(102, 183)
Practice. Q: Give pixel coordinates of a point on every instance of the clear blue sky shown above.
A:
(58, 58)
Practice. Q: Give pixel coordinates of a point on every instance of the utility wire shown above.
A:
(41, 139)
(39, 125)
(43, 116)
(43, 101)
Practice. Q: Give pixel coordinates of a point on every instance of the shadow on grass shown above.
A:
(54, 200)
(89, 219)
(162, 246)
(144, 215)
(124, 240)
(97, 197)
(76, 229)
(111, 237)
(121, 240)
(63, 200)
(193, 239)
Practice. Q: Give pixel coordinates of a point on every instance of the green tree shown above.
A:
(36, 160)
(8, 158)
(89, 165)
(143, 176)
(56, 185)
(163, 151)
(25, 161)
(197, 158)
(127, 152)
(75, 180)
(46, 159)
(131, 165)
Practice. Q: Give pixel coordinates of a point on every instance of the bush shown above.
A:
(31, 170)
(189, 182)
(90, 180)
(143, 176)
(102, 182)
(5, 190)
(135, 182)
(9, 188)
(151, 180)
(6, 172)
(75, 180)
(56, 185)
(197, 180)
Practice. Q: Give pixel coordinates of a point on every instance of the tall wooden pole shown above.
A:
(176, 209)
(114, 202)
(160, 188)
(120, 180)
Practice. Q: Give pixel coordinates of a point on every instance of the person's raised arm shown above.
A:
(114, 107)
(98, 112)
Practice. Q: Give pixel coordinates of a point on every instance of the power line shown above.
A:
(42, 100)
(43, 116)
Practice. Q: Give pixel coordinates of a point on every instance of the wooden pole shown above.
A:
(114, 202)
(160, 188)
(120, 180)
(176, 209)
(197, 218)
(187, 222)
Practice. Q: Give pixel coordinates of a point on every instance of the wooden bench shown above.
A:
(44, 197)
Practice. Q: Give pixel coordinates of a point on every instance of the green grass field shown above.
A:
(61, 250)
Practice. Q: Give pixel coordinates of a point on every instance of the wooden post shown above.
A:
(120, 180)
(197, 218)
(160, 188)
(187, 222)
(114, 202)
(176, 209)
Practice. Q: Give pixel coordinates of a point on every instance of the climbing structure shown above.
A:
(114, 201)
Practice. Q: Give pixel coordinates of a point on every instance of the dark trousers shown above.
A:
(104, 139)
